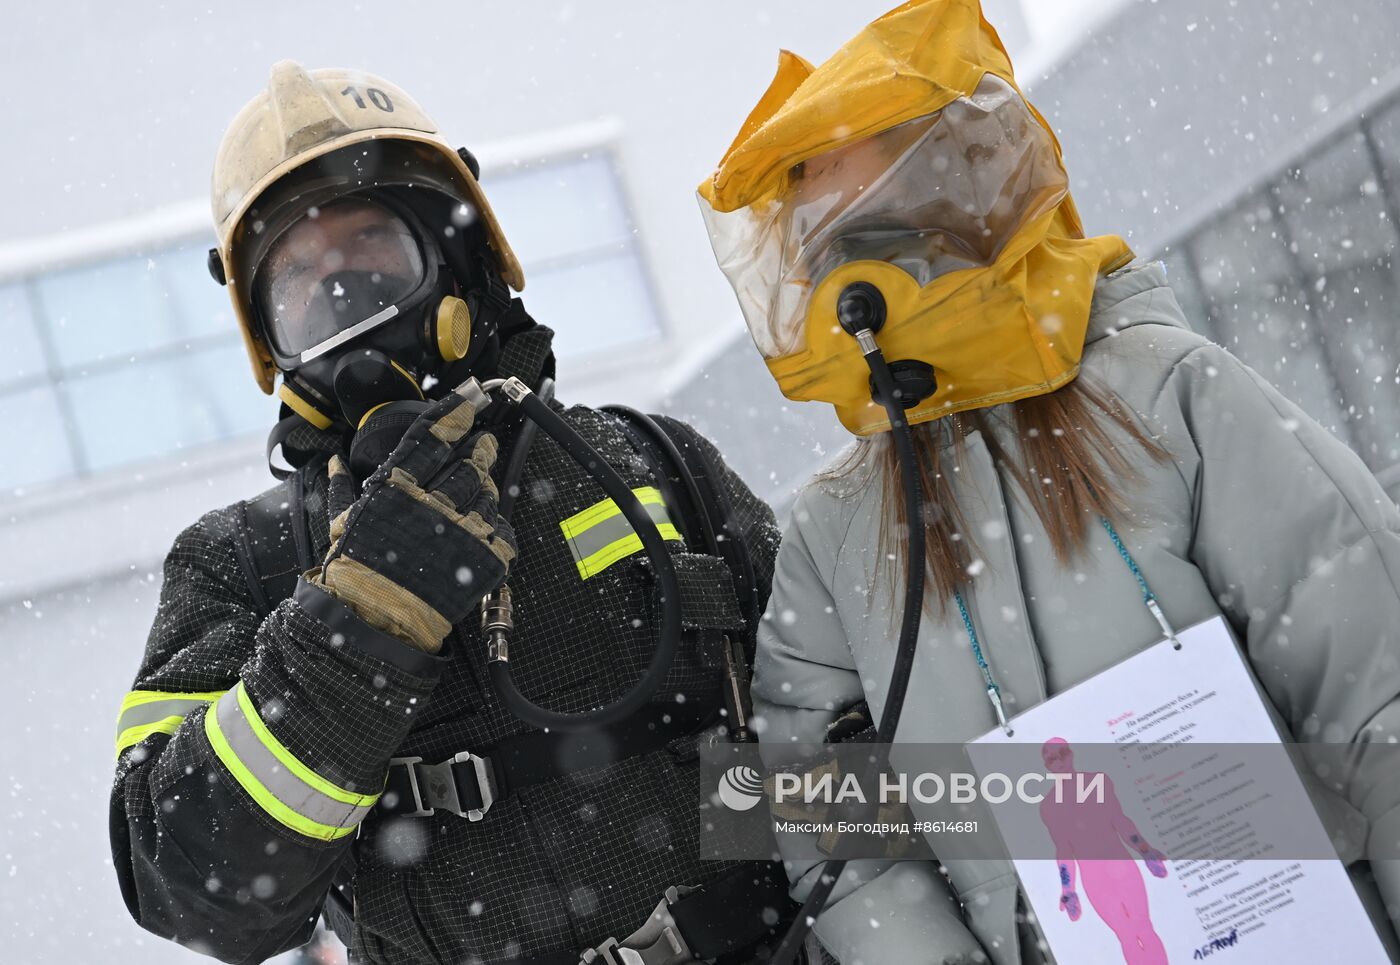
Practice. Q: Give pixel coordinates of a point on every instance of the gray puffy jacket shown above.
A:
(1260, 515)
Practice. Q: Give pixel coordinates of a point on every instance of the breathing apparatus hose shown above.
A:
(908, 631)
(498, 665)
(515, 469)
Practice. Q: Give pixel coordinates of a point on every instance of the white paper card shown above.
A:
(1260, 910)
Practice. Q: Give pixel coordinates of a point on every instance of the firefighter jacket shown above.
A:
(256, 738)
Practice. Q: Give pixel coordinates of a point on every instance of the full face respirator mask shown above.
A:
(358, 304)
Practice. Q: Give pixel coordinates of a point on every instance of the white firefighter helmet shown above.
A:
(305, 115)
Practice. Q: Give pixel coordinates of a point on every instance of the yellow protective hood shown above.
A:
(1007, 329)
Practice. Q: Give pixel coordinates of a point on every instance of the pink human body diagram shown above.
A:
(1114, 886)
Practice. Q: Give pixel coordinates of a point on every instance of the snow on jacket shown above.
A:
(1260, 515)
(553, 867)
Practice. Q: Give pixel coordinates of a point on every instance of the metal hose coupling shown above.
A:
(496, 623)
(514, 389)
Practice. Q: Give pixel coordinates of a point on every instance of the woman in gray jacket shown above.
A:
(1053, 387)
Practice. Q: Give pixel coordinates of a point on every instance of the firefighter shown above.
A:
(312, 727)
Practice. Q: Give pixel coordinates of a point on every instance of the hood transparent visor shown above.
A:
(934, 195)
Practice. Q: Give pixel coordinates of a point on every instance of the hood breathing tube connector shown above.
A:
(868, 314)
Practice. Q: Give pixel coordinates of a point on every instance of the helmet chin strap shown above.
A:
(293, 442)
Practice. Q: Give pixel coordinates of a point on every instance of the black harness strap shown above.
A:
(666, 461)
(468, 785)
(247, 562)
(728, 914)
(718, 919)
(301, 526)
(686, 464)
(274, 544)
(730, 537)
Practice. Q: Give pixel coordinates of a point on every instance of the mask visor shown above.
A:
(335, 272)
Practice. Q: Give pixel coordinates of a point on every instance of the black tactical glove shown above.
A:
(417, 551)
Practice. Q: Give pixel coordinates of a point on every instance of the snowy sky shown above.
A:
(1050, 18)
(1054, 27)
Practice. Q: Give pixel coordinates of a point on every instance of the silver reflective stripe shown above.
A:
(340, 338)
(600, 536)
(269, 775)
(155, 711)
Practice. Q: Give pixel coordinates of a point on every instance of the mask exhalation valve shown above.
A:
(914, 382)
(381, 400)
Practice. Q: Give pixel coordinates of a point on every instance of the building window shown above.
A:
(143, 357)
(1298, 278)
(133, 355)
(585, 276)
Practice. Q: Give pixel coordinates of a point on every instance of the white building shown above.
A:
(1257, 143)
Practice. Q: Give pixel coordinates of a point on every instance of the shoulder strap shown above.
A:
(274, 542)
(339, 909)
(728, 535)
(685, 497)
(700, 502)
(732, 545)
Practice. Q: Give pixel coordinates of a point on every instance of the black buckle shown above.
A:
(464, 785)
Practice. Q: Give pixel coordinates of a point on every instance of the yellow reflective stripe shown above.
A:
(600, 535)
(620, 549)
(135, 735)
(147, 712)
(136, 698)
(262, 795)
(595, 514)
(279, 750)
(295, 794)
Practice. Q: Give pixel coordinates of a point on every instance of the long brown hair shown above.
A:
(1070, 467)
